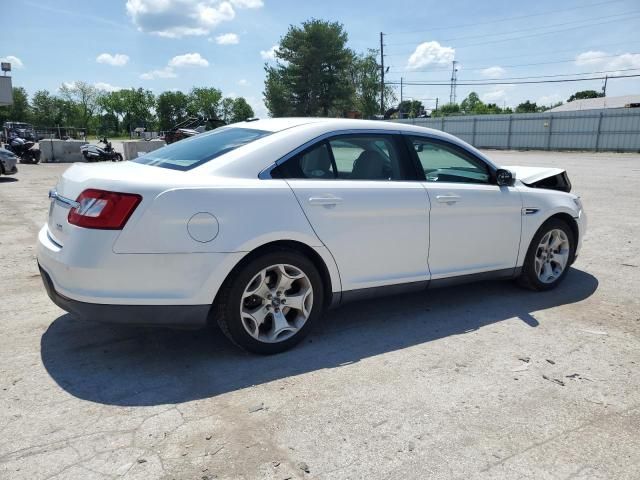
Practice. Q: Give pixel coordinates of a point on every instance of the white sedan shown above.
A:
(261, 225)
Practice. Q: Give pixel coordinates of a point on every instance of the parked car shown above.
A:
(8, 162)
(262, 225)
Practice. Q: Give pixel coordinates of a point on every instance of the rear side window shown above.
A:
(348, 157)
(314, 163)
(192, 152)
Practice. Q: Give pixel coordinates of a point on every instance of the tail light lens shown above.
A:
(103, 210)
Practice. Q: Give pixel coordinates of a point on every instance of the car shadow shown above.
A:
(128, 366)
(8, 179)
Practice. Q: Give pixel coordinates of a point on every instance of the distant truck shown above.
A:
(18, 129)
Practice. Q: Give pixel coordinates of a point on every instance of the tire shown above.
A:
(118, 157)
(533, 274)
(236, 308)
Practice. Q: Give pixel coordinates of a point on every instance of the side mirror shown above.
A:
(505, 178)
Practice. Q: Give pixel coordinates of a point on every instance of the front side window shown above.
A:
(347, 157)
(442, 162)
(192, 152)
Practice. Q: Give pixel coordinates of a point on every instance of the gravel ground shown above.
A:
(478, 381)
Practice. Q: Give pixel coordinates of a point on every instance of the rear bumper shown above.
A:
(184, 316)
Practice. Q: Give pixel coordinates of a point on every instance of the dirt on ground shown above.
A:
(477, 381)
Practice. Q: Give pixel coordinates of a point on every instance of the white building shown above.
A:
(624, 101)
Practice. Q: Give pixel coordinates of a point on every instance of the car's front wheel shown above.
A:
(549, 256)
(270, 303)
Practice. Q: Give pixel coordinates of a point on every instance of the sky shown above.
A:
(177, 44)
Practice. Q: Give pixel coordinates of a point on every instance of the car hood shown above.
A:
(528, 175)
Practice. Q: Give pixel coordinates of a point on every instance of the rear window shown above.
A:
(192, 152)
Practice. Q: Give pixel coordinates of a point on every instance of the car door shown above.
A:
(362, 199)
(474, 223)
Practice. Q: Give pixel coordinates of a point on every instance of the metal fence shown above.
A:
(596, 130)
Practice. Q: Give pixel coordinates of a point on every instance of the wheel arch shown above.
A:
(564, 217)
(573, 225)
(289, 245)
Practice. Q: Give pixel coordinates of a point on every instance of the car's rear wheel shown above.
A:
(549, 256)
(270, 303)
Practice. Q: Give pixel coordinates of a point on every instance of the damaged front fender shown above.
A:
(542, 177)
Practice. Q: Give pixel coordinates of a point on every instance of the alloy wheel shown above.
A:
(552, 256)
(276, 303)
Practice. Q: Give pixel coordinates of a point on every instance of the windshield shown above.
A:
(192, 152)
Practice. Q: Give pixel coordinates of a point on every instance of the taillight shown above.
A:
(103, 210)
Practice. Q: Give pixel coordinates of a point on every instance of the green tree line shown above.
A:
(82, 105)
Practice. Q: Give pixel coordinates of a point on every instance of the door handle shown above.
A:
(326, 200)
(448, 199)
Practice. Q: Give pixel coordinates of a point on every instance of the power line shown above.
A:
(508, 66)
(530, 35)
(518, 83)
(602, 45)
(549, 76)
(504, 19)
(524, 29)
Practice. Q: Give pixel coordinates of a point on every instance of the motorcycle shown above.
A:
(95, 153)
(24, 149)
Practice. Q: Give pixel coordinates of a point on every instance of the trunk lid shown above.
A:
(124, 177)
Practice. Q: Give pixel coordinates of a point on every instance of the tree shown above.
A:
(276, 94)
(226, 109)
(139, 105)
(114, 104)
(527, 107)
(46, 111)
(204, 102)
(311, 76)
(585, 94)
(171, 108)
(365, 76)
(448, 109)
(472, 104)
(19, 111)
(411, 108)
(240, 110)
(85, 97)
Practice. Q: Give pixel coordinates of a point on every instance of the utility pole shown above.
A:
(400, 98)
(604, 87)
(436, 111)
(381, 73)
(454, 81)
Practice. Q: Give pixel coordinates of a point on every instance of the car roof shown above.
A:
(285, 123)
(319, 124)
(290, 133)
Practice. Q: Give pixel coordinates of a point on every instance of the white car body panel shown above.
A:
(548, 203)
(474, 228)
(378, 232)
(381, 233)
(244, 211)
